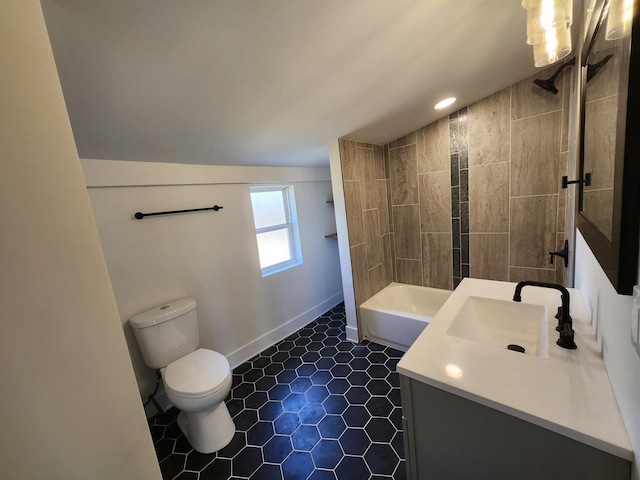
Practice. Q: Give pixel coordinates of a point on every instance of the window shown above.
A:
(274, 215)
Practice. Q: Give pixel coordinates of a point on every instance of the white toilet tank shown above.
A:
(167, 332)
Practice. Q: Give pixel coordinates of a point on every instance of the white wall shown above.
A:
(69, 407)
(212, 256)
(343, 241)
(611, 316)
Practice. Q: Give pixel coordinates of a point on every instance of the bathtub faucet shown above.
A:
(564, 318)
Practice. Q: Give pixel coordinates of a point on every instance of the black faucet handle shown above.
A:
(566, 338)
(564, 311)
(564, 254)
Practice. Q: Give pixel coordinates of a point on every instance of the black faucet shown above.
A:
(564, 319)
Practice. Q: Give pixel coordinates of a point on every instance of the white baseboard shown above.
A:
(251, 349)
(352, 334)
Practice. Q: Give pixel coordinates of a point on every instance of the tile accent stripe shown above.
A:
(459, 151)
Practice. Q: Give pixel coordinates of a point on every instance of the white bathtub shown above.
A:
(397, 314)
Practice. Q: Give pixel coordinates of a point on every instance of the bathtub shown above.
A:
(397, 314)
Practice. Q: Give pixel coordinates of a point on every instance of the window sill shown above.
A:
(280, 267)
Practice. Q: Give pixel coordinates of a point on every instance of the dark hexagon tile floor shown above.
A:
(314, 406)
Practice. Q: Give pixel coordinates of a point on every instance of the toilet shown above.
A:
(196, 380)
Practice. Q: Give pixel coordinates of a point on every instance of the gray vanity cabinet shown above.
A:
(448, 437)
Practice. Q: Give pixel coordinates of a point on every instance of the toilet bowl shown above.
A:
(196, 380)
(197, 385)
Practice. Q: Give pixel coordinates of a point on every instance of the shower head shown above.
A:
(592, 70)
(549, 84)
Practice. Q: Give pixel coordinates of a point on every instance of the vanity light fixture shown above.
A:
(548, 29)
(619, 19)
(444, 103)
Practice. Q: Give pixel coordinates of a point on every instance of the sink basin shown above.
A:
(499, 323)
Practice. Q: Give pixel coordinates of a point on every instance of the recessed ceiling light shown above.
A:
(445, 103)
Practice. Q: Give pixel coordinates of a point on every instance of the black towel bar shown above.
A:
(140, 215)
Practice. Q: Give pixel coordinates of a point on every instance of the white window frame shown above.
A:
(291, 225)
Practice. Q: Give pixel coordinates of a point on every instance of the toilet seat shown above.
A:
(199, 374)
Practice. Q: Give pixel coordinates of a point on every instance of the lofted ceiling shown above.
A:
(273, 82)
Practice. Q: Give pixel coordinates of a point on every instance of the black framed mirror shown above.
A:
(609, 202)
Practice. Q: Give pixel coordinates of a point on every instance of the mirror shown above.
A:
(609, 203)
(600, 121)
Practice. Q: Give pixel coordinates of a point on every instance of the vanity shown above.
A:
(475, 408)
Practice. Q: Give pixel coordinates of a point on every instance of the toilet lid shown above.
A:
(197, 374)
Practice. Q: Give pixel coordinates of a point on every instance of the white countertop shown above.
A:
(567, 392)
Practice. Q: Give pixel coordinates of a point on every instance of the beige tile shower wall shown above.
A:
(517, 155)
(405, 211)
(366, 191)
(420, 181)
(539, 125)
(517, 144)
(489, 177)
(399, 197)
(434, 183)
